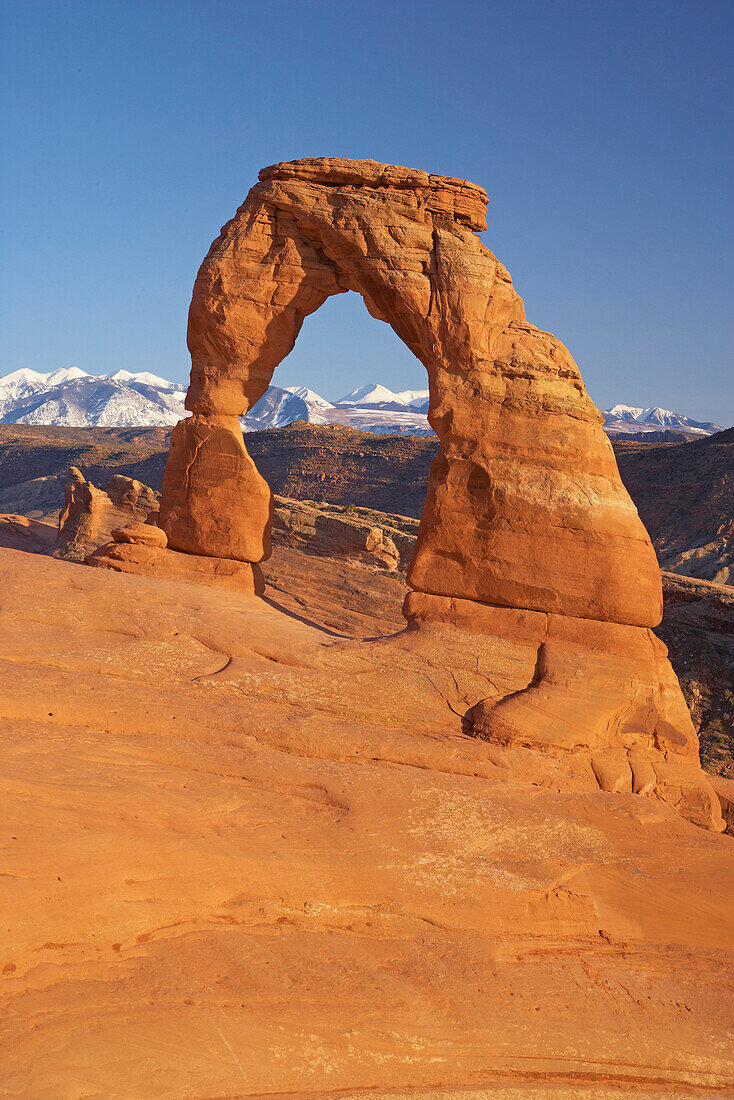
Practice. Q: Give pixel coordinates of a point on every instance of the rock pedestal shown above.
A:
(214, 501)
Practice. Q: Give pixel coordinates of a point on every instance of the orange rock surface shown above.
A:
(214, 501)
(89, 515)
(244, 856)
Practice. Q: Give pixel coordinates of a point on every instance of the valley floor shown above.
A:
(248, 852)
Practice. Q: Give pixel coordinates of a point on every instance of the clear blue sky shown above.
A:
(602, 131)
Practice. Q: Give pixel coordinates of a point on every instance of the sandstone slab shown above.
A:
(147, 560)
(593, 704)
(143, 534)
(245, 857)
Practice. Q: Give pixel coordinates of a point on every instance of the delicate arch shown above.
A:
(525, 507)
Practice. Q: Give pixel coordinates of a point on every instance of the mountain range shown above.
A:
(72, 398)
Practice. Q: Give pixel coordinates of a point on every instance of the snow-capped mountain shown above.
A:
(375, 396)
(277, 407)
(76, 399)
(71, 397)
(313, 400)
(626, 419)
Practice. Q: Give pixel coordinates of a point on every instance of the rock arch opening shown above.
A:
(341, 349)
(367, 454)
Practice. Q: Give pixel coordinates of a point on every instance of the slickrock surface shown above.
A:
(33, 535)
(156, 561)
(244, 856)
(697, 626)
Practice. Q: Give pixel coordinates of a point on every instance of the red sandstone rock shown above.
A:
(525, 506)
(243, 857)
(90, 514)
(724, 788)
(131, 495)
(154, 561)
(602, 695)
(333, 532)
(81, 517)
(214, 500)
(20, 533)
(143, 534)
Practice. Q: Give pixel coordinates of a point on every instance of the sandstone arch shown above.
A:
(525, 506)
(527, 530)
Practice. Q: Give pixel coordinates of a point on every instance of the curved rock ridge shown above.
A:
(525, 508)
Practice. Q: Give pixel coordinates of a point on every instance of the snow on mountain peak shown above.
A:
(145, 378)
(657, 415)
(623, 412)
(371, 394)
(412, 397)
(22, 376)
(309, 396)
(69, 396)
(623, 419)
(65, 374)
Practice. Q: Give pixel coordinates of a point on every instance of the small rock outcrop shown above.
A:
(21, 533)
(141, 548)
(131, 495)
(90, 515)
(141, 534)
(335, 531)
(81, 517)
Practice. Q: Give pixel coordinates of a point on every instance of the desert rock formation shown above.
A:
(527, 529)
(523, 462)
(89, 514)
(354, 532)
(685, 494)
(81, 517)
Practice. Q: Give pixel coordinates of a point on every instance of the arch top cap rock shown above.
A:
(465, 201)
